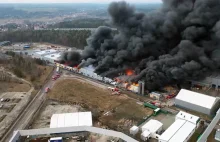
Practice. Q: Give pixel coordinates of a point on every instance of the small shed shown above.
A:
(145, 135)
(155, 95)
(134, 130)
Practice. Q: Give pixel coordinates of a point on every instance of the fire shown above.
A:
(129, 72)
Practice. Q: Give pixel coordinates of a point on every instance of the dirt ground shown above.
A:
(13, 87)
(50, 108)
(111, 110)
(11, 108)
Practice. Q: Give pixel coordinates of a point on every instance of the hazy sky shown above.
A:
(76, 1)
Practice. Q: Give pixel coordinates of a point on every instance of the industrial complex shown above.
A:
(182, 125)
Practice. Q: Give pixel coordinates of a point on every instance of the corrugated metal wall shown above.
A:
(190, 106)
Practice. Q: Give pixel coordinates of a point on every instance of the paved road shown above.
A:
(24, 118)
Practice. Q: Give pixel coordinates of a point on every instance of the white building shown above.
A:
(196, 101)
(52, 57)
(152, 126)
(182, 129)
(145, 135)
(188, 117)
(71, 119)
(217, 135)
(155, 95)
(134, 130)
(43, 53)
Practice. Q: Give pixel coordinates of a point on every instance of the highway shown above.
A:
(25, 117)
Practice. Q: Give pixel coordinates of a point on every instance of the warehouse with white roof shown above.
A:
(196, 101)
(71, 119)
(41, 54)
(52, 57)
(182, 129)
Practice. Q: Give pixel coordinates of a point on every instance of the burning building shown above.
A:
(179, 41)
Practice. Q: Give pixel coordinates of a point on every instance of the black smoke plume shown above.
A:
(71, 58)
(180, 41)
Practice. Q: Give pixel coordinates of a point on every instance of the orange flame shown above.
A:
(129, 72)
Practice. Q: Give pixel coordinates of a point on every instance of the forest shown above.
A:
(71, 38)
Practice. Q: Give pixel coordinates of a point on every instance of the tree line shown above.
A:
(80, 23)
(72, 38)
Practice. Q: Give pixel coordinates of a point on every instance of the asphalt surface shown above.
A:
(24, 118)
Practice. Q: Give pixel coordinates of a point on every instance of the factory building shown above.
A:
(52, 58)
(182, 129)
(197, 102)
(41, 54)
(71, 119)
(210, 81)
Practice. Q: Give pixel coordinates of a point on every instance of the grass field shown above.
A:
(13, 87)
(121, 109)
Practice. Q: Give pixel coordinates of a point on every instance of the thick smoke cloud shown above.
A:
(180, 41)
(72, 58)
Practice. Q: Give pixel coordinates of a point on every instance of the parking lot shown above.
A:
(11, 104)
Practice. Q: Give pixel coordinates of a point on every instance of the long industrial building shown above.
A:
(197, 102)
(71, 119)
(182, 129)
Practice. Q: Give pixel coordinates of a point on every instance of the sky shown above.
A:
(77, 1)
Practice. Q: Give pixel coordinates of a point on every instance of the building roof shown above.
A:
(188, 117)
(155, 93)
(49, 131)
(56, 138)
(152, 126)
(71, 119)
(54, 56)
(168, 134)
(182, 134)
(217, 134)
(196, 98)
(145, 133)
(134, 128)
(50, 51)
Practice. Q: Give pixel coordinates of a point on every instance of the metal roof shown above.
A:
(170, 132)
(45, 131)
(71, 119)
(179, 131)
(188, 117)
(50, 51)
(196, 98)
(152, 126)
(145, 133)
(182, 134)
(54, 56)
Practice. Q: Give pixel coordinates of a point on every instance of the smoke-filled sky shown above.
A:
(77, 1)
(178, 42)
